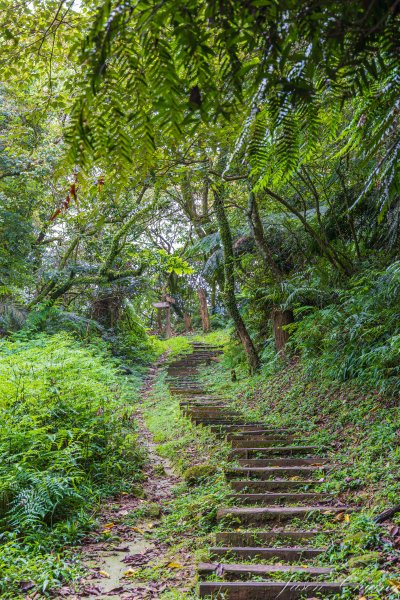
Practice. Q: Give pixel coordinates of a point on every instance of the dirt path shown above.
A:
(132, 544)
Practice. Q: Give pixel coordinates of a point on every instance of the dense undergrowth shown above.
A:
(67, 440)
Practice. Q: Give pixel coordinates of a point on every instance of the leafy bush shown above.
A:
(359, 336)
(67, 437)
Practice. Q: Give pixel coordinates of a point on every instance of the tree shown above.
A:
(229, 287)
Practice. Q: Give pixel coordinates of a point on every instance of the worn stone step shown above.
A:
(212, 411)
(252, 433)
(281, 451)
(270, 485)
(265, 438)
(288, 554)
(261, 538)
(280, 472)
(223, 421)
(229, 571)
(178, 391)
(263, 441)
(282, 462)
(276, 514)
(269, 590)
(202, 413)
(281, 497)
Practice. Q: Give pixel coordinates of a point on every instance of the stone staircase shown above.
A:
(277, 532)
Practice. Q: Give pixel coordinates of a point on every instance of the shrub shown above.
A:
(67, 436)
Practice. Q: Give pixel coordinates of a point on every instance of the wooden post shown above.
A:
(279, 319)
(188, 322)
(159, 320)
(168, 330)
(205, 318)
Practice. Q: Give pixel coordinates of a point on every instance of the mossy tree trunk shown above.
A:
(280, 318)
(229, 283)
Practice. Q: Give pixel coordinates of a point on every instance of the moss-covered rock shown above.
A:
(364, 559)
(194, 475)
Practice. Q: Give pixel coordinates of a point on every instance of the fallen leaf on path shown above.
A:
(175, 565)
(130, 573)
(138, 530)
(104, 574)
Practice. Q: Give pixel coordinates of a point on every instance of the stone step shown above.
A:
(223, 421)
(253, 430)
(178, 391)
(280, 472)
(244, 571)
(263, 438)
(270, 485)
(276, 514)
(262, 441)
(211, 411)
(278, 498)
(270, 590)
(282, 462)
(288, 554)
(282, 451)
(258, 433)
(261, 538)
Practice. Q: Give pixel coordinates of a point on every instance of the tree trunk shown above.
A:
(280, 318)
(188, 322)
(258, 233)
(168, 330)
(229, 286)
(159, 319)
(213, 296)
(205, 319)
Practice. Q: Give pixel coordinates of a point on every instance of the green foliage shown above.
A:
(132, 342)
(358, 336)
(67, 439)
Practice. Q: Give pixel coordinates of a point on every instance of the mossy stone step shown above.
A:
(278, 514)
(263, 441)
(277, 498)
(282, 451)
(223, 421)
(271, 436)
(261, 538)
(270, 485)
(282, 462)
(257, 433)
(228, 570)
(179, 390)
(291, 554)
(280, 472)
(269, 590)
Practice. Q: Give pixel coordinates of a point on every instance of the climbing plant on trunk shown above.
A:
(229, 296)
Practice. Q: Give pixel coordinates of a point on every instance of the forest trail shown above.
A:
(131, 542)
(275, 536)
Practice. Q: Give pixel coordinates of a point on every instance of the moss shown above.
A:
(364, 559)
(197, 473)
